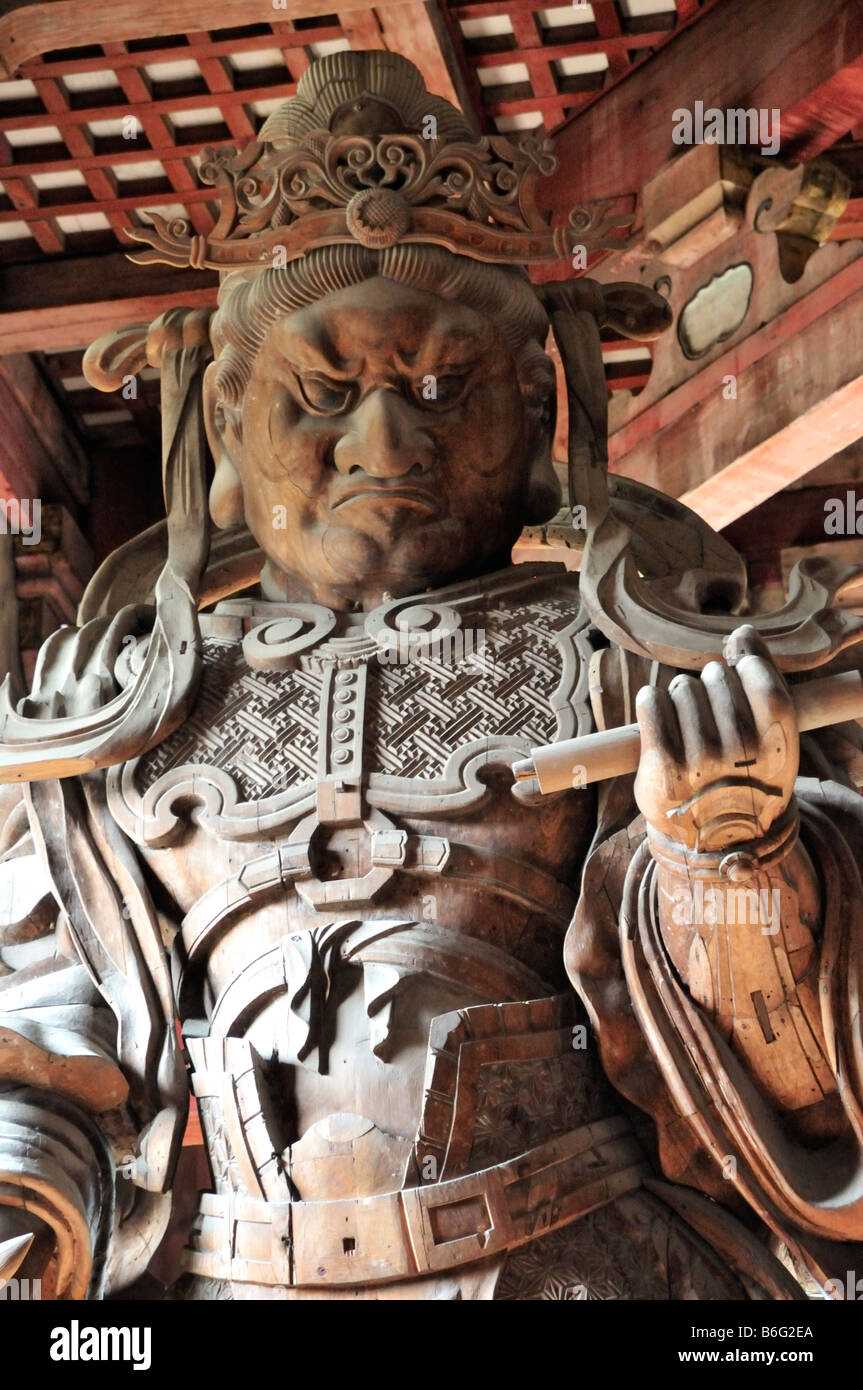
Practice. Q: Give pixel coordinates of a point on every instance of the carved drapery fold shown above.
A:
(661, 1050)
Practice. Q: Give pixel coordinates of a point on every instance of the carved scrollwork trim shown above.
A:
(211, 796)
(474, 198)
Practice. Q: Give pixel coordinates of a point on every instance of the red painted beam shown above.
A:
(825, 115)
(68, 303)
(785, 54)
(799, 401)
(708, 382)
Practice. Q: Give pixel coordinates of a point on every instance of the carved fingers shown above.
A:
(719, 751)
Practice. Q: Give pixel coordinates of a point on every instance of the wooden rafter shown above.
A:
(73, 147)
(27, 31)
(74, 300)
(546, 92)
(39, 453)
(773, 55)
(432, 32)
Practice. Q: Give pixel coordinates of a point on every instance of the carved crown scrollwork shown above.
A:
(476, 198)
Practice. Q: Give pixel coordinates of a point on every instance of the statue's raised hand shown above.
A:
(719, 752)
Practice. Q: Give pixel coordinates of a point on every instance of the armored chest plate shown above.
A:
(406, 705)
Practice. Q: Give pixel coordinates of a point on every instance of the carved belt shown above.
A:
(390, 850)
(418, 1230)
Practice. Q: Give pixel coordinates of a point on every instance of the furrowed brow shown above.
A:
(443, 351)
(303, 354)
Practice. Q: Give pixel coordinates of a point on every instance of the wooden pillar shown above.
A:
(43, 483)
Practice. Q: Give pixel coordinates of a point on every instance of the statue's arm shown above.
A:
(717, 944)
(743, 915)
(77, 1126)
(59, 1078)
(738, 898)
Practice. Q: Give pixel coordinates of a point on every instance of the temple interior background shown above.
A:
(750, 410)
(759, 457)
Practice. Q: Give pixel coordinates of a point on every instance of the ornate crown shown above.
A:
(363, 153)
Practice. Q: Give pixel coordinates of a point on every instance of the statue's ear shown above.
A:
(225, 436)
(543, 488)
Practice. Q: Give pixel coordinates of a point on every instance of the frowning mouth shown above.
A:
(385, 494)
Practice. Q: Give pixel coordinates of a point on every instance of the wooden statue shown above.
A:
(449, 1037)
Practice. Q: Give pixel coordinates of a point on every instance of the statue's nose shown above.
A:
(384, 438)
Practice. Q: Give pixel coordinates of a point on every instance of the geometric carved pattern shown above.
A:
(634, 1248)
(261, 727)
(521, 1104)
(423, 710)
(223, 1164)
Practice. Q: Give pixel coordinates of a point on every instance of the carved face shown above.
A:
(384, 444)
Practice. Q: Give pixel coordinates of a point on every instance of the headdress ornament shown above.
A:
(364, 154)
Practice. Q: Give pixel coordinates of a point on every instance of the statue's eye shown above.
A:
(324, 396)
(441, 392)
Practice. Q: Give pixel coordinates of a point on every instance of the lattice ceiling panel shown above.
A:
(532, 66)
(92, 138)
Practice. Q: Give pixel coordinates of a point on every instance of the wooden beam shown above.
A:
(514, 106)
(697, 389)
(613, 45)
(825, 115)
(608, 25)
(158, 136)
(791, 452)
(415, 30)
(739, 53)
(198, 47)
(75, 117)
(27, 31)
(31, 164)
(129, 202)
(799, 400)
(69, 303)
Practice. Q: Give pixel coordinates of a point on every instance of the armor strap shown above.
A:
(419, 1230)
